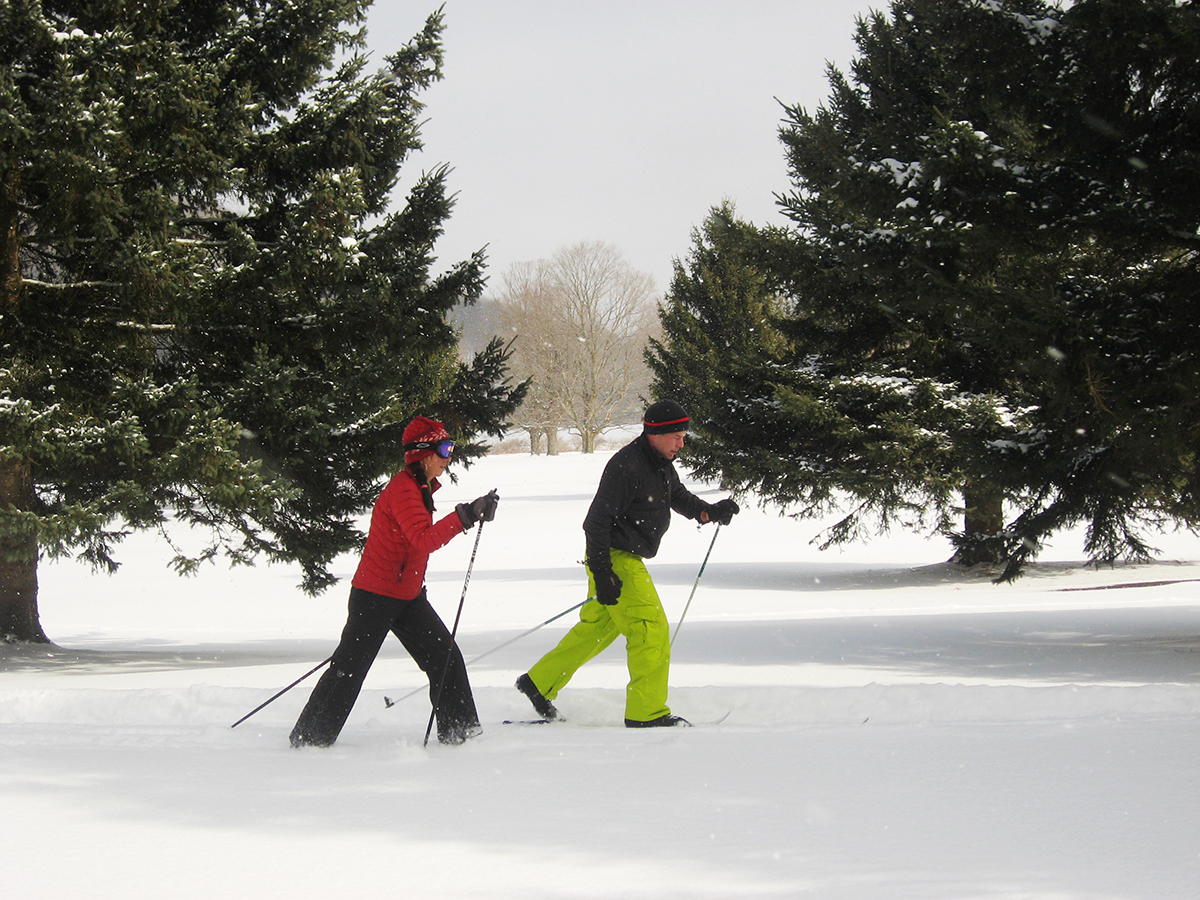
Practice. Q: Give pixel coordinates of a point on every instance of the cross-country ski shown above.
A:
(563, 721)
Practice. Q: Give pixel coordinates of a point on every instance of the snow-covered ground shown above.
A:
(896, 729)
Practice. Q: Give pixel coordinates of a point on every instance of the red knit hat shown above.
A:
(422, 431)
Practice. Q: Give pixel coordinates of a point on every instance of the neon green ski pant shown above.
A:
(639, 616)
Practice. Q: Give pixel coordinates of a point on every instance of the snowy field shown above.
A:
(897, 729)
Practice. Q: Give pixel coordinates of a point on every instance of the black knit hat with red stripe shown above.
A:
(664, 417)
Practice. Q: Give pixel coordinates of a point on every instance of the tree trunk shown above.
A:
(985, 511)
(552, 442)
(982, 523)
(10, 241)
(18, 559)
(18, 551)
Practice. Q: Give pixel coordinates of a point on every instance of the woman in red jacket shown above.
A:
(388, 594)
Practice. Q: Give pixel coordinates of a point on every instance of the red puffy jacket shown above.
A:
(401, 537)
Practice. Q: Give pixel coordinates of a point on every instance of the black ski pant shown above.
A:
(427, 640)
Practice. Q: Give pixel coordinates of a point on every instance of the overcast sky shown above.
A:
(621, 121)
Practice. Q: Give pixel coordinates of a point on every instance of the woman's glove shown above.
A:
(481, 509)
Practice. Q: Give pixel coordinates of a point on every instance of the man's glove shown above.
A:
(722, 513)
(481, 509)
(608, 587)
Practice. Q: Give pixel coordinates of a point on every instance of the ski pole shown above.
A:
(527, 633)
(281, 693)
(694, 584)
(389, 702)
(437, 696)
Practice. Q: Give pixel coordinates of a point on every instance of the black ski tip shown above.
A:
(527, 721)
(389, 702)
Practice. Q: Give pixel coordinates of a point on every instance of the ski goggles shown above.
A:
(442, 448)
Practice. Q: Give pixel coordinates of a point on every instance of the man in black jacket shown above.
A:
(624, 525)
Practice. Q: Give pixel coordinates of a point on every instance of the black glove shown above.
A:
(608, 587)
(481, 509)
(723, 512)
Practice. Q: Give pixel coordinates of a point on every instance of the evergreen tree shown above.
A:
(989, 279)
(208, 311)
(720, 350)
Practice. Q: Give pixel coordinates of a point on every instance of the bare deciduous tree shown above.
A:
(581, 319)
